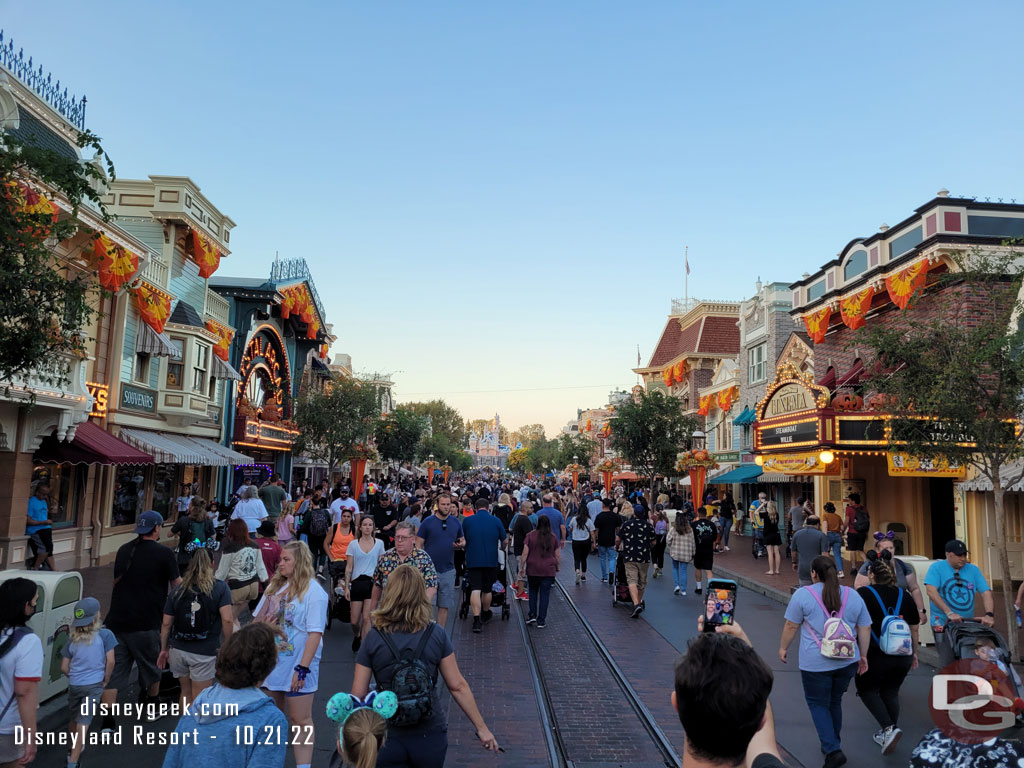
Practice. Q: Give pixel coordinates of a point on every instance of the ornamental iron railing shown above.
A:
(286, 270)
(69, 107)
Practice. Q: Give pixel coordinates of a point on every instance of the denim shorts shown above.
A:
(446, 594)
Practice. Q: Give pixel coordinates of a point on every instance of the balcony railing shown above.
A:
(156, 272)
(72, 109)
(218, 308)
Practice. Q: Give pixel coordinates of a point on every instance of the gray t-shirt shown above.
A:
(221, 596)
(89, 660)
(808, 543)
(901, 569)
(375, 654)
(796, 517)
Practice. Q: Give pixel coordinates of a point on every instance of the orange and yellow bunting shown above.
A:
(28, 200)
(679, 372)
(154, 306)
(904, 284)
(114, 265)
(705, 405)
(323, 351)
(297, 301)
(817, 324)
(224, 336)
(726, 398)
(313, 328)
(854, 309)
(205, 254)
(667, 375)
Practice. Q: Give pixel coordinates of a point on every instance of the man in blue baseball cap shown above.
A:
(144, 570)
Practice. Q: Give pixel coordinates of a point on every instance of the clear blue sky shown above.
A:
(496, 196)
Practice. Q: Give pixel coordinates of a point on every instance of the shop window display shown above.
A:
(67, 487)
(165, 489)
(129, 494)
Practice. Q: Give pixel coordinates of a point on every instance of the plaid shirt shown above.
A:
(417, 558)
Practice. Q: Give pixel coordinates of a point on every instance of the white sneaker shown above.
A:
(841, 575)
(891, 738)
(683, 593)
(728, 550)
(879, 737)
(677, 590)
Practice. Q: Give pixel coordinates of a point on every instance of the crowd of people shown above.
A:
(236, 613)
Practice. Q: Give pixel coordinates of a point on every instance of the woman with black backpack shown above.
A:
(404, 652)
(194, 528)
(195, 615)
(890, 655)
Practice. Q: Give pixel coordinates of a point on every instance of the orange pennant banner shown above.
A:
(28, 200)
(817, 324)
(224, 336)
(679, 372)
(854, 309)
(154, 306)
(904, 284)
(114, 265)
(705, 405)
(205, 254)
(726, 398)
(667, 376)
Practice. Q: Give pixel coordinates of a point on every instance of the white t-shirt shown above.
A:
(339, 504)
(297, 618)
(23, 662)
(364, 563)
(250, 510)
(579, 534)
(183, 503)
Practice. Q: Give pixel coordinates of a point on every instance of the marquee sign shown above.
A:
(903, 465)
(799, 464)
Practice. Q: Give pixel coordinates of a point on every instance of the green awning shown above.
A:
(746, 418)
(743, 474)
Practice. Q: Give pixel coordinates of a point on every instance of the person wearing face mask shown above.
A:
(905, 576)
(952, 585)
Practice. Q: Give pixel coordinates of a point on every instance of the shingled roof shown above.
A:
(711, 333)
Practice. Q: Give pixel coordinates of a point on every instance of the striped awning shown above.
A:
(222, 369)
(149, 342)
(168, 448)
(782, 477)
(981, 484)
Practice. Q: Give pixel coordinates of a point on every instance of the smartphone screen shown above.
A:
(720, 604)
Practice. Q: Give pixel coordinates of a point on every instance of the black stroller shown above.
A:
(620, 590)
(499, 598)
(963, 637)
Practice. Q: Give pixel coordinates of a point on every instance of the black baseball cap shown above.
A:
(957, 547)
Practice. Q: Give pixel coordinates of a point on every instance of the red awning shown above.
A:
(628, 476)
(829, 379)
(92, 445)
(852, 377)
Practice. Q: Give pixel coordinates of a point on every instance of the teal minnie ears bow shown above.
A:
(341, 705)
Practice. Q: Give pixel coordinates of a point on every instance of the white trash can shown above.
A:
(58, 593)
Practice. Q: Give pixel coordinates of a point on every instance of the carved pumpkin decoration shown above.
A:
(879, 402)
(847, 401)
(701, 455)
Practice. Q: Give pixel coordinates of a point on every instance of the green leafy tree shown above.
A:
(570, 445)
(527, 435)
(953, 381)
(462, 461)
(542, 457)
(332, 422)
(398, 434)
(443, 419)
(440, 446)
(47, 300)
(650, 432)
(517, 460)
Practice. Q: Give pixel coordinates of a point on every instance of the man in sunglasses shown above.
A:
(438, 536)
(885, 546)
(952, 585)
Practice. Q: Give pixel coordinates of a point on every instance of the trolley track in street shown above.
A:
(591, 714)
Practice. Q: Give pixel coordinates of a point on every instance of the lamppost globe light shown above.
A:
(697, 438)
(826, 457)
(759, 460)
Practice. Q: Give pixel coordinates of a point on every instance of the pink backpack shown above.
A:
(838, 640)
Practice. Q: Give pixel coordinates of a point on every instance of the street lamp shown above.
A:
(430, 469)
(697, 439)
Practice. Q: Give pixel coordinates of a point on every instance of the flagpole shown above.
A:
(686, 261)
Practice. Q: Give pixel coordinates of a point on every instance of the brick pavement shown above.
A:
(494, 664)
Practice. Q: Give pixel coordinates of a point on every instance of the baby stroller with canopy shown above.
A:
(620, 590)
(968, 637)
(499, 592)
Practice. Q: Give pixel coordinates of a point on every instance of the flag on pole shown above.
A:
(687, 261)
(638, 363)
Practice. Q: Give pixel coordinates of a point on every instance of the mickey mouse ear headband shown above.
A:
(341, 705)
(887, 536)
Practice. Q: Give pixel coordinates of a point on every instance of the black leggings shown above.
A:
(580, 552)
(658, 551)
(879, 687)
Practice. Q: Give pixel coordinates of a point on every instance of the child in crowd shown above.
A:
(985, 648)
(362, 727)
(88, 661)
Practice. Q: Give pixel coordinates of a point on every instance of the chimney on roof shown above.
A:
(942, 192)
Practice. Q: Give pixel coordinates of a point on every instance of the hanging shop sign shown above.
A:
(137, 399)
(904, 465)
(727, 457)
(799, 464)
(792, 434)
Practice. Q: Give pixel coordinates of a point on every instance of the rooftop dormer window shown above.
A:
(856, 263)
(816, 291)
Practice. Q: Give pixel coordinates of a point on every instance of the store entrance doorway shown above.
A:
(940, 492)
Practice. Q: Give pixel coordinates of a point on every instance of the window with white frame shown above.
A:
(723, 436)
(757, 363)
(199, 367)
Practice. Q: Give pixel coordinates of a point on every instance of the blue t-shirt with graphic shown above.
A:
(957, 589)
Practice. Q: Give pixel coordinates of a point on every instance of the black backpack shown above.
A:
(410, 681)
(861, 520)
(319, 522)
(195, 615)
